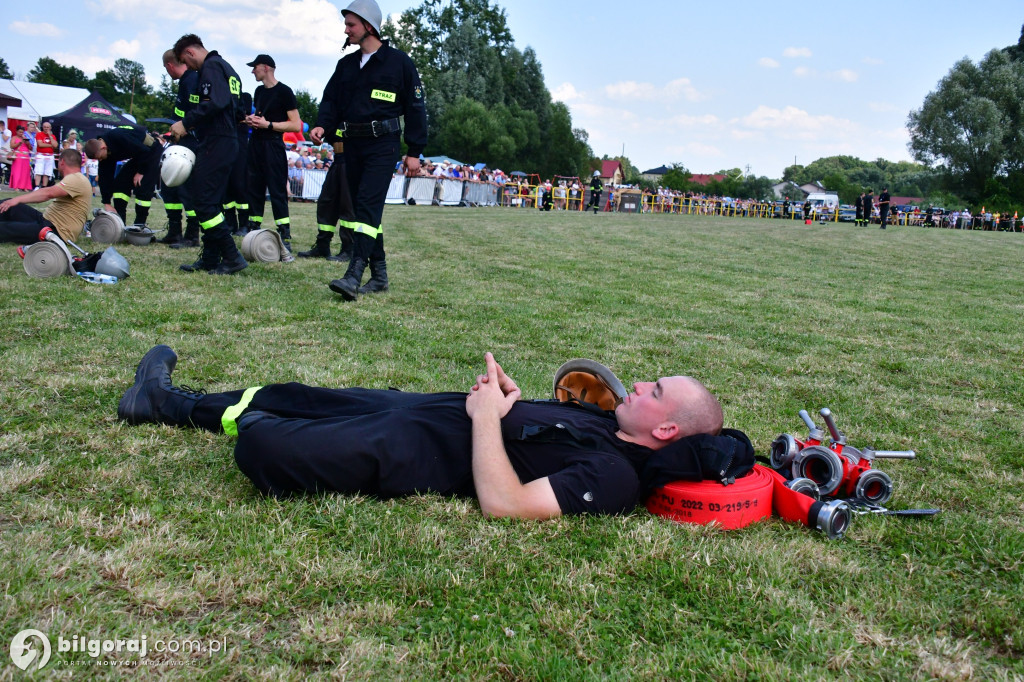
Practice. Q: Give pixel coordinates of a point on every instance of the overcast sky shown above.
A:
(711, 85)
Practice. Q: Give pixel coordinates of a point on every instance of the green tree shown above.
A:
(51, 72)
(5, 71)
(677, 178)
(309, 107)
(420, 30)
(971, 124)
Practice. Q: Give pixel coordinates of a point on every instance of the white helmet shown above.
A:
(597, 174)
(368, 10)
(176, 165)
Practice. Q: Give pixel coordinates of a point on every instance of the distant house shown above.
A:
(703, 178)
(612, 173)
(655, 174)
(788, 188)
(814, 187)
(906, 201)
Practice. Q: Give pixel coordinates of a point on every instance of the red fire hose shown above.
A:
(751, 498)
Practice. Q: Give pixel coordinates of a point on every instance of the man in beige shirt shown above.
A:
(67, 214)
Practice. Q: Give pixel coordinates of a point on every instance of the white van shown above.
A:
(822, 201)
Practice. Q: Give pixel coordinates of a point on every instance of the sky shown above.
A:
(710, 85)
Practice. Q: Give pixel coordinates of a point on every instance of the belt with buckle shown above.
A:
(371, 129)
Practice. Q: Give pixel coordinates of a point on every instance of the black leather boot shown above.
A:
(153, 399)
(348, 286)
(322, 247)
(209, 259)
(173, 235)
(378, 277)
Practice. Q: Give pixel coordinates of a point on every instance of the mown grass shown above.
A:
(911, 336)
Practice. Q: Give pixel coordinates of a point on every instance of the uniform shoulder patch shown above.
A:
(205, 89)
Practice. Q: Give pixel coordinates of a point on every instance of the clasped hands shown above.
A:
(494, 393)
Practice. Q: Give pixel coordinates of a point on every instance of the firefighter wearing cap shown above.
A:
(276, 113)
(363, 101)
(141, 155)
(215, 119)
(595, 191)
(178, 199)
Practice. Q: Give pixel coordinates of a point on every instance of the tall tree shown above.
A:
(49, 71)
(422, 29)
(5, 71)
(972, 123)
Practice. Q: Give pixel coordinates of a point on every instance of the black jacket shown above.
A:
(218, 110)
(124, 144)
(387, 87)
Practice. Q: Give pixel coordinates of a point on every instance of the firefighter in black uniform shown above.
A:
(883, 207)
(215, 119)
(277, 112)
(333, 205)
(520, 458)
(236, 201)
(141, 153)
(595, 191)
(178, 199)
(363, 100)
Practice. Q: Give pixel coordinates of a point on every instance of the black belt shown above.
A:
(371, 129)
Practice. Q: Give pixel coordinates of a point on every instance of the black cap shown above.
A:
(263, 59)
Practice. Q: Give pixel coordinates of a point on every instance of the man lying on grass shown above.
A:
(524, 459)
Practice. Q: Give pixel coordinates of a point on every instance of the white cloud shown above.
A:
(793, 52)
(803, 72)
(873, 61)
(565, 92)
(41, 29)
(88, 63)
(127, 49)
(845, 75)
(792, 123)
(648, 92)
(768, 63)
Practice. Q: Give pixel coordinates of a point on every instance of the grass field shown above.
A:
(912, 337)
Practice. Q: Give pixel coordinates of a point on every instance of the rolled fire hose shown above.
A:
(265, 246)
(751, 498)
(47, 259)
(106, 227)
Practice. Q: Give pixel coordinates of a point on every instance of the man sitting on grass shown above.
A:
(521, 459)
(67, 214)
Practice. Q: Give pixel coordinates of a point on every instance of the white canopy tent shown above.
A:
(39, 100)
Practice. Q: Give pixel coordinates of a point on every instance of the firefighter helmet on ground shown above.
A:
(589, 382)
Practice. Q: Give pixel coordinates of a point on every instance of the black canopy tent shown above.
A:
(90, 118)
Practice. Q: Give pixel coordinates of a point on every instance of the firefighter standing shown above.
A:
(595, 191)
(178, 199)
(363, 100)
(277, 112)
(214, 119)
(141, 153)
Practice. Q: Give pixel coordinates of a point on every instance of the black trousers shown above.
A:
(124, 185)
(335, 201)
(369, 165)
(209, 184)
(268, 172)
(236, 204)
(21, 224)
(296, 438)
(883, 214)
